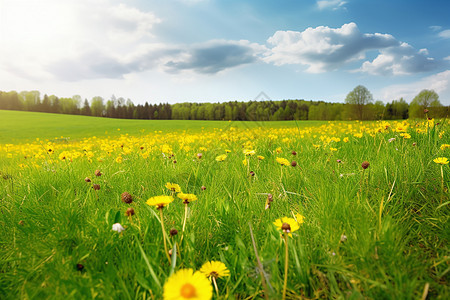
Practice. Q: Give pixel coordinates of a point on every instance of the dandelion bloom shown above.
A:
(173, 187)
(286, 225)
(405, 135)
(227, 150)
(187, 197)
(216, 269)
(441, 160)
(249, 152)
(185, 284)
(221, 157)
(159, 201)
(283, 161)
(278, 150)
(260, 157)
(300, 219)
(445, 146)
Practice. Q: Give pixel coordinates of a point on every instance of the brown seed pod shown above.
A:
(365, 165)
(173, 232)
(269, 197)
(286, 227)
(129, 212)
(252, 173)
(294, 153)
(203, 187)
(96, 187)
(294, 163)
(98, 173)
(87, 179)
(199, 155)
(126, 197)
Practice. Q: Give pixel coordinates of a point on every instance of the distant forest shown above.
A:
(232, 110)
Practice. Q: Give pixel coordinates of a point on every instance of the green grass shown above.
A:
(394, 214)
(19, 126)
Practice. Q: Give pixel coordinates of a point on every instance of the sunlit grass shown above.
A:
(380, 232)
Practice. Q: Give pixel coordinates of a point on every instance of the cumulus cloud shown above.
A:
(330, 4)
(439, 82)
(400, 60)
(445, 34)
(324, 48)
(215, 56)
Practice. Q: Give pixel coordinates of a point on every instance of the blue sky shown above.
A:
(209, 50)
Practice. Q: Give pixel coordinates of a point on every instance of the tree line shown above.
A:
(358, 104)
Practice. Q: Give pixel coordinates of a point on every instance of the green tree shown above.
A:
(358, 98)
(426, 99)
(97, 106)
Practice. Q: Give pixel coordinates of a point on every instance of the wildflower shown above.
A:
(96, 187)
(293, 163)
(391, 140)
(345, 140)
(203, 149)
(287, 225)
(187, 197)
(159, 201)
(216, 269)
(173, 232)
(299, 218)
(405, 135)
(203, 188)
(119, 159)
(333, 149)
(87, 179)
(260, 157)
(283, 161)
(185, 284)
(199, 155)
(129, 212)
(248, 152)
(294, 153)
(252, 173)
(117, 227)
(126, 197)
(365, 165)
(221, 157)
(445, 146)
(227, 151)
(173, 187)
(244, 162)
(269, 201)
(278, 150)
(441, 160)
(98, 173)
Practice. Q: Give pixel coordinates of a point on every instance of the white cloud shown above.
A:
(324, 48)
(330, 4)
(445, 34)
(435, 28)
(439, 82)
(400, 60)
(87, 35)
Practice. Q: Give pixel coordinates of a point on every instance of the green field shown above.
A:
(375, 233)
(18, 126)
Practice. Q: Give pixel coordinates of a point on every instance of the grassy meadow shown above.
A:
(378, 232)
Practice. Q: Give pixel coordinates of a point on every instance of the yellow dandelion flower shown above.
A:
(286, 225)
(227, 151)
(187, 284)
(358, 135)
(244, 162)
(203, 149)
(333, 149)
(249, 152)
(283, 161)
(159, 201)
(173, 187)
(300, 219)
(405, 135)
(187, 197)
(221, 157)
(441, 160)
(216, 269)
(260, 157)
(119, 159)
(278, 150)
(445, 146)
(345, 140)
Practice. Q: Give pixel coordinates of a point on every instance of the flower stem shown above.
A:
(285, 265)
(185, 215)
(215, 286)
(164, 234)
(442, 184)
